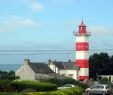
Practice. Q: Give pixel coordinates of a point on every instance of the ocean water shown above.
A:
(9, 67)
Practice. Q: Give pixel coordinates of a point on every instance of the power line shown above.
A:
(36, 52)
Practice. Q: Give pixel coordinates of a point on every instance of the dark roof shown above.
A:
(65, 65)
(40, 68)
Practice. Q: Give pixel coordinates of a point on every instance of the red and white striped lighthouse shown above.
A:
(82, 49)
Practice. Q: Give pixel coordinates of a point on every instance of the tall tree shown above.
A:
(99, 64)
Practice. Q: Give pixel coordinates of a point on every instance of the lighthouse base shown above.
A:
(82, 78)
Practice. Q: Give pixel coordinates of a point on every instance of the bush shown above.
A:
(104, 80)
(69, 91)
(55, 93)
(35, 93)
(38, 86)
(60, 82)
(4, 83)
(10, 93)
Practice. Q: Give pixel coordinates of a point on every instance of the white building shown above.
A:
(34, 71)
(38, 71)
(109, 76)
(67, 69)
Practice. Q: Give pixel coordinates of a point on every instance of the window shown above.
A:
(100, 87)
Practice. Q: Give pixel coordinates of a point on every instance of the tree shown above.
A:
(4, 75)
(99, 64)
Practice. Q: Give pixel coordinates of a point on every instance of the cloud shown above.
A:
(101, 37)
(23, 22)
(101, 30)
(37, 7)
(32, 5)
(11, 23)
(27, 22)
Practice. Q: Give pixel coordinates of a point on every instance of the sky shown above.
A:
(48, 25)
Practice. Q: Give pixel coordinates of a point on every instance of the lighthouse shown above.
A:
(82, 49)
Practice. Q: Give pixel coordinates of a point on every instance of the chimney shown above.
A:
(49, 61)
(26, 61)
(69, 61)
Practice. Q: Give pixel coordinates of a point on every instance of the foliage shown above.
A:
(104, 80)
(100, 64)
(7, 75)
(60, 82)
(38, 86)
(69, 91)
(17, 77)
(5, 93)
(35, 93)
(4, 83)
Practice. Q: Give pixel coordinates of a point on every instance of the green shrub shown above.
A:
(104, 80)
(60, 82)
(10, 93)
(4, 83)
(38, 86)
(35, 93)
(69, 91)
(55, 93)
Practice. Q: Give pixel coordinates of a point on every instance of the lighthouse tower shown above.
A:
(82, 49)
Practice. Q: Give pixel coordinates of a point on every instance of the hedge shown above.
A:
(4, 83)
(38, 86)
(69, 91)
(5, 93)
(60, 82)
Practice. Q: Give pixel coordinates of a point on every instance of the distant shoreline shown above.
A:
(9, 67)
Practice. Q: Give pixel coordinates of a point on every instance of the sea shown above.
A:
(9, 67)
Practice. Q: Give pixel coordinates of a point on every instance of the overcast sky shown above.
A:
(49, 25)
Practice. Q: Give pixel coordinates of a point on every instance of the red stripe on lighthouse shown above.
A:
(82, 63)
(80, 46)
(83, 77)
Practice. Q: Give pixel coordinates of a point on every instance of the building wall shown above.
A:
(69, 73)
(108, 76)
(54, 68)
(25, 73)
(44, 76)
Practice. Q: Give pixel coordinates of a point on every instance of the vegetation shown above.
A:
(60, 82)
(19, 86)
(38, 86)
(100, 63)
(7, 75)
(5, 93)
(104, 80)
(69, 91)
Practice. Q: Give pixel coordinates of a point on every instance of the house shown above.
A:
(34, 71)
(40, 71)
(108, 75)
(67, 69)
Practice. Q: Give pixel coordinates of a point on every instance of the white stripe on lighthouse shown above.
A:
(84, 72)
(82, 55)
(81, 39)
